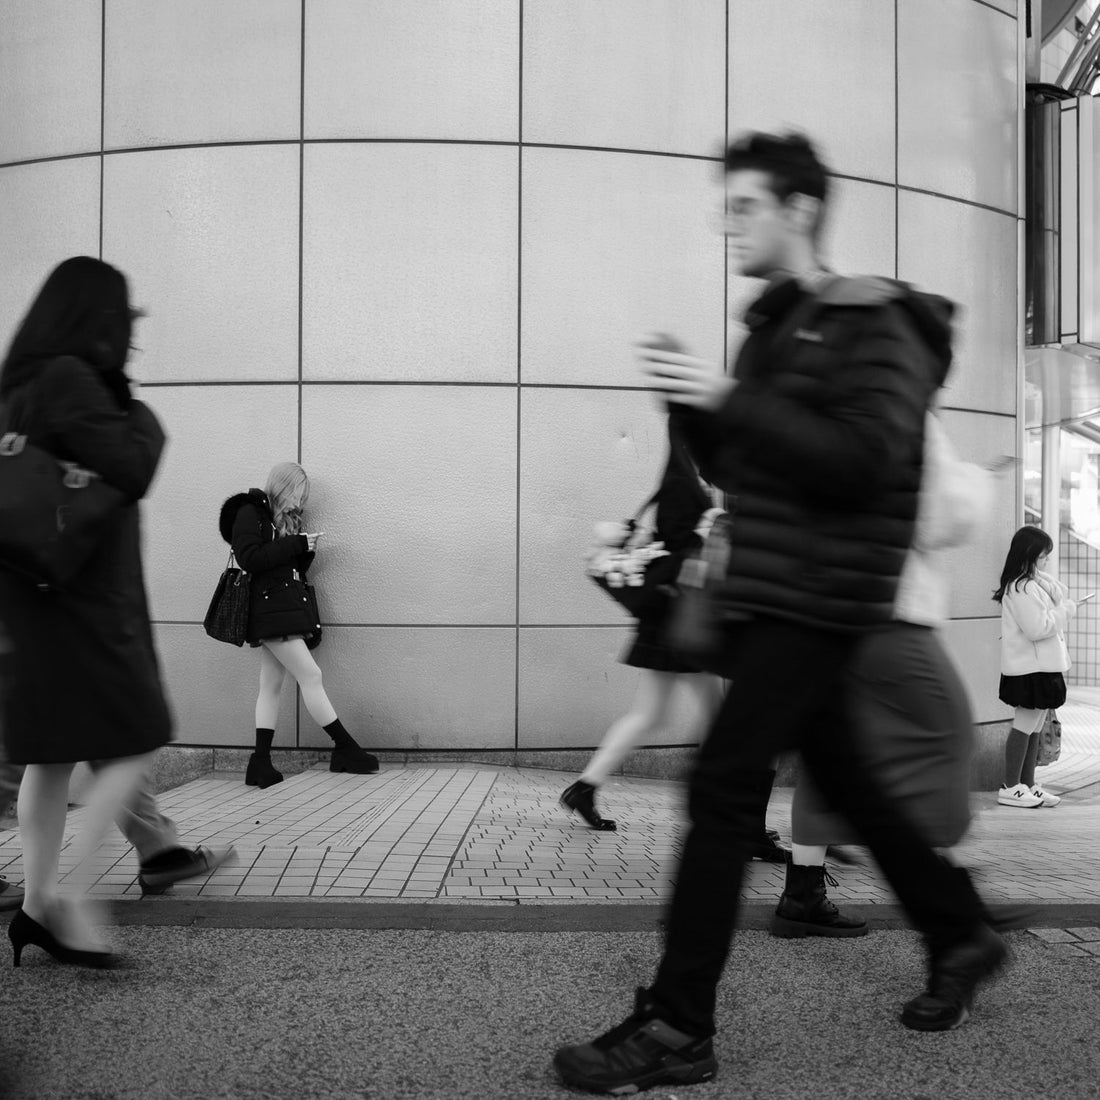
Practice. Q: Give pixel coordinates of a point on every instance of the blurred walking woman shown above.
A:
(1035, 610)
(85, 681)
(265, 531)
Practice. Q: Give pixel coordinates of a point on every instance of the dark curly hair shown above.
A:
(790, 162)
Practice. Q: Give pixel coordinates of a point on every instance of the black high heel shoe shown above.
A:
(24, 930)
(581, 797)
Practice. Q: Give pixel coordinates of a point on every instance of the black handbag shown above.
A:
(227, 616)
(53, 514)
(288, 609)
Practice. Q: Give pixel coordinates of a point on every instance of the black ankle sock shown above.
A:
(263, 742)
(341, 739)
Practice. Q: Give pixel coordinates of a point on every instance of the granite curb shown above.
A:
(498, 915)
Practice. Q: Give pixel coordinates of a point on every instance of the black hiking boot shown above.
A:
(953, 975)
(805, 908)
(642, 1052)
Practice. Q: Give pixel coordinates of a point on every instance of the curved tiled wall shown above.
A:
(411, 244)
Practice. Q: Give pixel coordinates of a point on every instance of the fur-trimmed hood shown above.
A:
(228, 515)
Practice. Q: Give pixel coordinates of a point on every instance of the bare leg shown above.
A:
(43, 803)
(113, 788)
(808, 855)
(648, 712)
(296, 658)
(272, 675)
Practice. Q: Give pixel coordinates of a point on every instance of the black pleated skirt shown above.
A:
(1035, 691)
(648, 649)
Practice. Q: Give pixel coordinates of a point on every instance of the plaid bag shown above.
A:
(1050, 740)
(227, 617)
(696, 626)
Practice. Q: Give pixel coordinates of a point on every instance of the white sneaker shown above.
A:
(1019, 796)
(1047, 799)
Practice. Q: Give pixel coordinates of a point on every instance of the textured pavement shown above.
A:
(408, 1015)
(438, 931)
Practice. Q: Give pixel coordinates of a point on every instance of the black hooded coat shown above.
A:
(275, 563)
(820, 446)
(83, 681)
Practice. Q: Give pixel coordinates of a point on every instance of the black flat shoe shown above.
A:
(768, 849)
(261, 772)
(23, 931)
(581, 798)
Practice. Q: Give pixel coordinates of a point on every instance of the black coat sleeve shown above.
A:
(123, 447)
(253, 554)
(846, 447)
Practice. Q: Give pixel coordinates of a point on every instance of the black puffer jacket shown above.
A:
(821, 444)
(276, 609)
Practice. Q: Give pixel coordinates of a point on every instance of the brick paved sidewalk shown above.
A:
(469, 832)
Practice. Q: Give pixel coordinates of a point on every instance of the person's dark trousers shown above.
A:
(786, 691)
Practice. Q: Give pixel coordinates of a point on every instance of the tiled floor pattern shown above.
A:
(1083, 943)
(1079, 765)
(466, 833)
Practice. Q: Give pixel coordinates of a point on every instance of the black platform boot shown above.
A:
(805, 908)
(581, 798)
(261, 772)
(347, 755)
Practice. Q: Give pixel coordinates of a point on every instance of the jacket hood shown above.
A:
(228, 515)
(931, 314)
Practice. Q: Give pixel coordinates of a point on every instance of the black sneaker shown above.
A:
(954, 975)
(643, 1051)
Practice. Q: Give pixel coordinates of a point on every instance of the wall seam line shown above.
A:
(102, 111)
(519, 382)
(301, 253)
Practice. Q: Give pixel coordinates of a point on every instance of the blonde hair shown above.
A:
(287, 487)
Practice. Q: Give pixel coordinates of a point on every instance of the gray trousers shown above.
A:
(142, 824)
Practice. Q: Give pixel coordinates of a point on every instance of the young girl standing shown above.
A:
(264, 529)
(1035, 610)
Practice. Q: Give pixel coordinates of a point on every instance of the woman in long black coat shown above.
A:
(85, 682)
